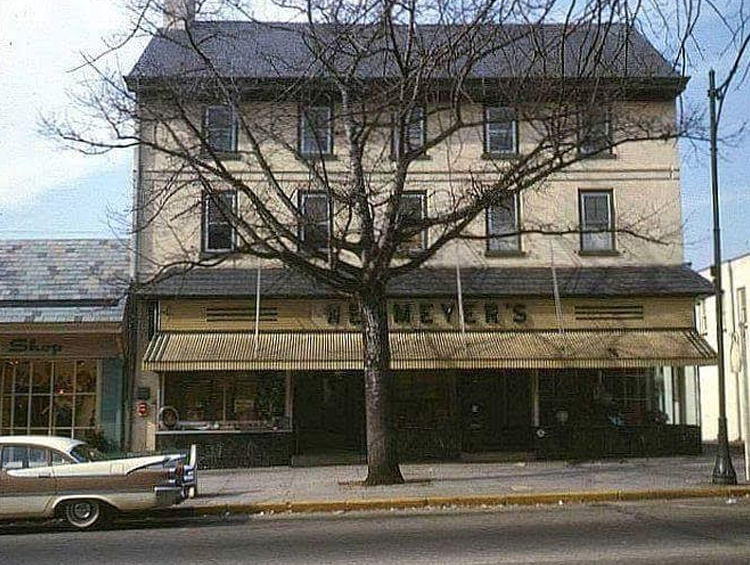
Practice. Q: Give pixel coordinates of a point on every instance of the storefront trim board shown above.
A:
(428, 314)
(59, 346)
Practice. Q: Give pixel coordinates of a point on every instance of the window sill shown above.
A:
(599, 253)
(508, 253)
(501, 156)
(216, 254)
(423, 157)
(601, 155)
(223, 155)
(320, 156)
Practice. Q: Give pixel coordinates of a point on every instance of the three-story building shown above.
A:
(559, 324)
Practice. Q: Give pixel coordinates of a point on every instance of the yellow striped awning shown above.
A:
(336, 351)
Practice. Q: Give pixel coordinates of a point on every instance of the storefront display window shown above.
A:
(233, 401)
(48, 397)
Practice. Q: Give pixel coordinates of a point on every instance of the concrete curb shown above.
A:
(466, 501)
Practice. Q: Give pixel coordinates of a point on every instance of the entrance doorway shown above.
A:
(329, 412)
(495, 411)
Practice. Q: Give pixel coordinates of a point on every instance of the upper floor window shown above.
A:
(597, 220)
(220, 129)
(503, 226)
(316, 130)
(741, 306)
(595, 132)
(218, 227)
(413, 211)
(315, 230)
(500, 131)
(415, 134)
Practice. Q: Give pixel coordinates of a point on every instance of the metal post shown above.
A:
(724, 473)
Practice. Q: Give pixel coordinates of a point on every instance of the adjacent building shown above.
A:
(569, 345)
(736, 281)
(61, 338)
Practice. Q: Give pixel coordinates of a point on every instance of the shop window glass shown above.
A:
(85, 411)
(40, 412)
(64, 375)
(42, 377)
(227, 401)
(23, 373)
(6, 378)
(86, 376)
(20, 412)
(53, 397)
(63, 411)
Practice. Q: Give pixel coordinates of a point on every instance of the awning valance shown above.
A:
(336, 351)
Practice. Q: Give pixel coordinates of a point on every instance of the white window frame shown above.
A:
(304, 197)
(207, 128)
(514, 236)
(208, 222)
(311, 145)
(488, 126)
(588, 240)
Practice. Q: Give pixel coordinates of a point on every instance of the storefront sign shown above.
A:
(24, 345)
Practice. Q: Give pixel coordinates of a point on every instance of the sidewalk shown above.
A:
(339, 488)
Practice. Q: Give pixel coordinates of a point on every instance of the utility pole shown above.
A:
(724, 473)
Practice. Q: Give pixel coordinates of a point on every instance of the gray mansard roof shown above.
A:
(259, 51)
(500, 282)
(67, 280)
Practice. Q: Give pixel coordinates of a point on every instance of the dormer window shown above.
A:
(220, 129)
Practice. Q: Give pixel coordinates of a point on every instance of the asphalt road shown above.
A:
(700, 531)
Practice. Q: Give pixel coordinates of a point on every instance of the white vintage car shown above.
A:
(46, 476)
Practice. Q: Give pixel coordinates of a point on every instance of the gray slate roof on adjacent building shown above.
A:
(268, 50)
(501, 282)
(66, 280)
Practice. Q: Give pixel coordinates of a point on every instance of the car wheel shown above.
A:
(83, 514)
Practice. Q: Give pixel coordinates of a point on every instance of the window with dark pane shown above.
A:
(220, 129)
(412, 212)
(316, 130)
(315, 229)
(414, 136)
(503, 225)
(596, 221)
(500, 130)
(218, 231)
(594, 134)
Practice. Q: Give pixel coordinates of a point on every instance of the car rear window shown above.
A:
(14, 457)
(84, 453)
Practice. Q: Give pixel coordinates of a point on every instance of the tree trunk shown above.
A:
(382, 454)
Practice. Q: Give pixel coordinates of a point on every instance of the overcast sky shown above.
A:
(46, 192)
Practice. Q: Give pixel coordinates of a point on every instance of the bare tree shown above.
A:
(367, 76)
